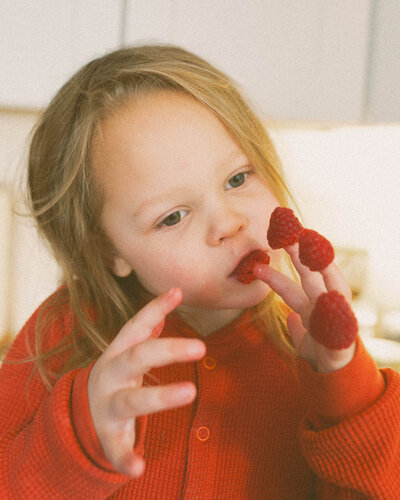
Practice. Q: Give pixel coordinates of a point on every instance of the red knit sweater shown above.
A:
(256, 430)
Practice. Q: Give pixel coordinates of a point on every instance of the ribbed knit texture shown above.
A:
(256, 429)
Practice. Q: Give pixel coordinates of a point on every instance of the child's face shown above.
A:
(182, 203)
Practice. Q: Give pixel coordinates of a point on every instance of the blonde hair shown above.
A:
(67, 204)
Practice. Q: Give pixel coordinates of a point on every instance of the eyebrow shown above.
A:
(237, 154)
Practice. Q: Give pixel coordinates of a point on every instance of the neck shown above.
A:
(206, 321)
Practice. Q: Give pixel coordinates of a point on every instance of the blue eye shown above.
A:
(173, 218)
(237, 180)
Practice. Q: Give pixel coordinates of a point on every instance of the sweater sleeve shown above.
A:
(351, 436)
(40, 455)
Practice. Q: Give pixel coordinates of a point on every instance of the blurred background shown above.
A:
(324, 77)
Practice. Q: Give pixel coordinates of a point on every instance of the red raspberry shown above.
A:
(332, 322)
(284, 228)
(315, 251)
(244, 271)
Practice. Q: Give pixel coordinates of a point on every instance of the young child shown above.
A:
(152, 372)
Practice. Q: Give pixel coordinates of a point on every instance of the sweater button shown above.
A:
(203, 433)
(209, 363)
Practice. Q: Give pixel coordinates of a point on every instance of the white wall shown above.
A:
(296, 59)
(383, 94)
(303, 60)
(44, 41)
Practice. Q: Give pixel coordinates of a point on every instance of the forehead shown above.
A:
(159, 136)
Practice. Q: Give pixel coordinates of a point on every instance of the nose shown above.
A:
(225, 224)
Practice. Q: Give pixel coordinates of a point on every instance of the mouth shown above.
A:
(243, 272)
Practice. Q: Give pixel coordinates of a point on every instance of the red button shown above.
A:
(209, 363)
(203, 433)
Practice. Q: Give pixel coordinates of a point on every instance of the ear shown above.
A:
(120, 267)
(112, 260)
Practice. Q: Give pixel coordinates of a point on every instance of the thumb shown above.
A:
(157, 329)
(301, 338)
(123, 458)
(296, 329)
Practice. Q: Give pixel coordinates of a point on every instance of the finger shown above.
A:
(130, 463)
(121, 455)
(158, 329)
(301, 339)
(330, 360)
(154, 353)
(131, 403)
(335, 280)
(296, 329)
(312, 282)
(148, 319)
(290, 291)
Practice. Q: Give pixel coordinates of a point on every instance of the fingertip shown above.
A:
(197, 349)
(260, 270)
(178, 293)
(136, 467)
(175, 294)
(187, 392)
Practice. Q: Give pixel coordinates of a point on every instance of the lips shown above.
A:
(244, 270)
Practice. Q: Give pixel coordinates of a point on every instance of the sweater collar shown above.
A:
(240, 330)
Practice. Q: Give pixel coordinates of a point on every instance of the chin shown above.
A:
(248, 295)
(259, 293)
(239, 297)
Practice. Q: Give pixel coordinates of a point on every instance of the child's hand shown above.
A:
(302, 298)
(115, 390)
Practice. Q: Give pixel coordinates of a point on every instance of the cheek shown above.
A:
(264, 202)
(158, 273)
(192, 274)
(267, 205)
(261, 211)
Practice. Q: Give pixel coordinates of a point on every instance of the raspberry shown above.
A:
(244, 271)
(332, 322)
(284, 228)
(315, 251)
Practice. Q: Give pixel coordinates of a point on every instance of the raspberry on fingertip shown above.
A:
(244, 271)
(315, 251)
(284, 228)
(332, 322)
